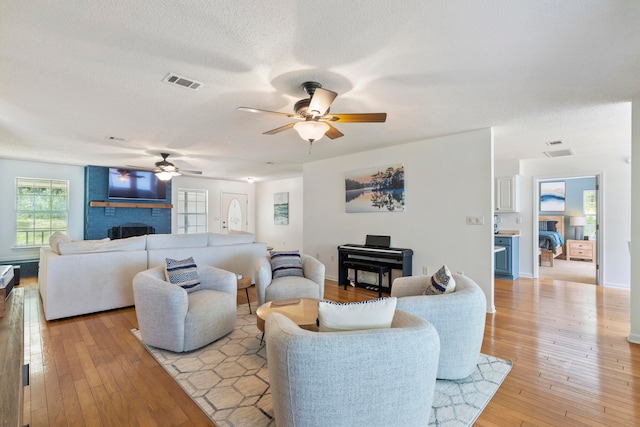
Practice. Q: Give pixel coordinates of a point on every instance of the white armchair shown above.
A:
(171, 319)
(459, 317)
(309, 286)
(375, 377)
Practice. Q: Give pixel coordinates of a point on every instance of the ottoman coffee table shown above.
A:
(303, 311)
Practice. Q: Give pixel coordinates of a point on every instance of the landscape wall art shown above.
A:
(552, 196)
(379, 189)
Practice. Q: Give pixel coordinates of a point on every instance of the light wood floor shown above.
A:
(572, 364)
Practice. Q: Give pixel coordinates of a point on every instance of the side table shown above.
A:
(245, 283)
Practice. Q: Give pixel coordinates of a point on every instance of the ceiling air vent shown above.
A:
(177, 80)
(554, 143)
(559, 153)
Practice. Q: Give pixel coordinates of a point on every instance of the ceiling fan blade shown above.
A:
(278, 130)
(142, 168)
(257, 110)
(333, 133)
(357, 118)
(188, 172)
(321, 101)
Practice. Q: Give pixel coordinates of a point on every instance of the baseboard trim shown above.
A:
(634, 338)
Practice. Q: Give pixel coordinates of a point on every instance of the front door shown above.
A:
(234, 212)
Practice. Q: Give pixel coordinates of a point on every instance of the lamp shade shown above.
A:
(577, 220)
(311, 130)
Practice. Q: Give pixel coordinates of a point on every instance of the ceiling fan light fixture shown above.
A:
(165, 175)
(311, 130)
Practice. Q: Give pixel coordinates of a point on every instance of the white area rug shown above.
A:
(229, 380)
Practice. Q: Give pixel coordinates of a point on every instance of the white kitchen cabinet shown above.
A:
(508, 194)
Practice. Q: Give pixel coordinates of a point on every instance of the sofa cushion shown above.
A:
(183, 273)
(286, 263)
(137, 243)
(441, 283)
(166, 241)
(372, 314)
(55, 240)
(233, 238)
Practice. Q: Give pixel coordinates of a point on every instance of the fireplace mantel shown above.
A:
(100, 204)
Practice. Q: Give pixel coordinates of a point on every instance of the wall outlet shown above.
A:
(474, 220)
(425, 271)
(333, 258)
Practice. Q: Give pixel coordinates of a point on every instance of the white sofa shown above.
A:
(81, 277)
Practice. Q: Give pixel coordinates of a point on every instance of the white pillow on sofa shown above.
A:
(55, 240)
(373, 314)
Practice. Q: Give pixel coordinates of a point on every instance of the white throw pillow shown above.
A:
(56, 238)
(373, 314)
(441, 283)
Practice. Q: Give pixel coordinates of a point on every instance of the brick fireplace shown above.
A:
(99, 221)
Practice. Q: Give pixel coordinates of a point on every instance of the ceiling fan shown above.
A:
(313, 117)
(165, 170)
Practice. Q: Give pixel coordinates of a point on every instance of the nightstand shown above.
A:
(581, 249)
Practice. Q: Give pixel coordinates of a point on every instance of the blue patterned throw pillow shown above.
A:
(286, 263)
(183, 273)
(441, 283)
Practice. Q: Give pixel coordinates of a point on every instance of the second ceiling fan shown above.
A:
(313, 119)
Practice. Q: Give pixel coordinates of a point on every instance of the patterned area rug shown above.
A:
(229, 380)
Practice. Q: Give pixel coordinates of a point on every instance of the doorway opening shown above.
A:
(568, 206)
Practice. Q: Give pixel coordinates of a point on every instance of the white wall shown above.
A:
(280, 237)
(215, 188)
(9, 171)
(634, 300)
(446, 179)
(615, 220)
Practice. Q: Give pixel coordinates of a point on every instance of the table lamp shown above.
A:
(578, 222)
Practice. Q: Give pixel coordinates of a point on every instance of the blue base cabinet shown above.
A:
(507, 262)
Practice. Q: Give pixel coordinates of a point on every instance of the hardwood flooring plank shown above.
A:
(91, 416)
(72, 408)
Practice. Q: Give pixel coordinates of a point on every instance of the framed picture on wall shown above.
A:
(552, 196)
(378, 189)
(281, 208)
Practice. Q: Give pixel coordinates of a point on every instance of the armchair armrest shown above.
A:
(161, 309)
(217, 279)
(263, 277)
(313, 269)
(409, 286)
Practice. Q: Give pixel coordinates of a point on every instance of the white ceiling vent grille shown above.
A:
(554, 143)
(177, 80)
(559, 153)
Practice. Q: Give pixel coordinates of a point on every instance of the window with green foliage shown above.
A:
(590, 210)
(42, 208)
(192, 211)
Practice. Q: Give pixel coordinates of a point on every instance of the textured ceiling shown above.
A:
(74, 73)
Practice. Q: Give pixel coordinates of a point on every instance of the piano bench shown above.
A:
(371, 267)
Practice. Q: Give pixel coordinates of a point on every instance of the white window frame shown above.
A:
(590, 228)
(37, 232)
(192, 210)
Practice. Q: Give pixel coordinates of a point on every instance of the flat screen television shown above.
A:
(135, 184)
